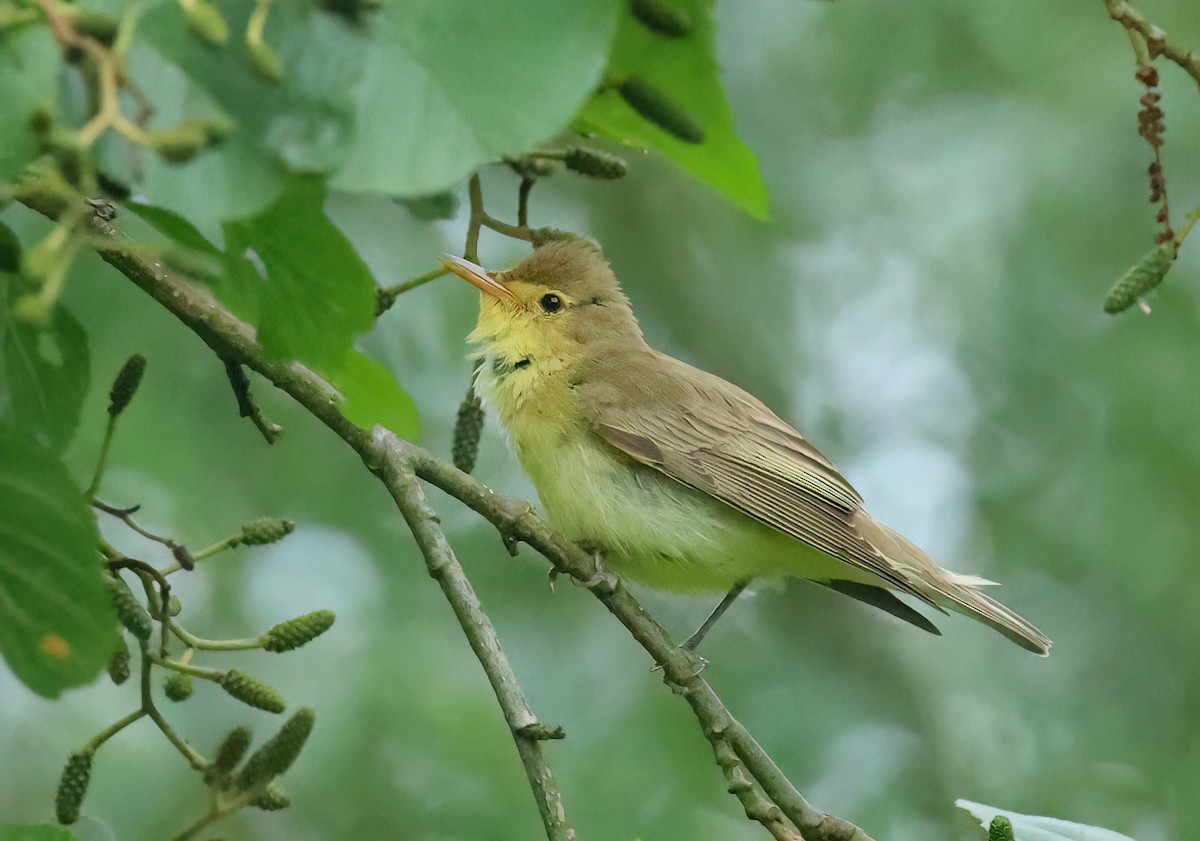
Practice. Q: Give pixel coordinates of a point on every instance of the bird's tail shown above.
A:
(944, 588)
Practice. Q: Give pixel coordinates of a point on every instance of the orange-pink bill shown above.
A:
(480, 278)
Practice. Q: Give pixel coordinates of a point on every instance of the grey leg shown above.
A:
(730, 597)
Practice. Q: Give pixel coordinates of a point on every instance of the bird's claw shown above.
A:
(601, 579)
(699, 664)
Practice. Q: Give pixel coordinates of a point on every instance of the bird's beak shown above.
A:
(481, 279)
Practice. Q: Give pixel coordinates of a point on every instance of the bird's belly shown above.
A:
(654, 530)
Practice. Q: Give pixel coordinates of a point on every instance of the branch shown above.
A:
(397, 474)
(385, 454)
(1156, 38)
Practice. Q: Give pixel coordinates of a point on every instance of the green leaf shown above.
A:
(455, 83)
(10, 250)
(371, 395)
(395, 106)
(173, 226)
(431, 208)
(40, 832)
(318, 294)
(684, 71)
(45, 372)
(1033, 828)
(29, 66)
(56, 623)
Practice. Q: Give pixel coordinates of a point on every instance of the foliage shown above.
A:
(297, 158)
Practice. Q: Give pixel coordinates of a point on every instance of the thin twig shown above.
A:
(192, 641)
(247, 408)
(475, 192)
(233, 339)
(178, 551)
(189, 753)
(523, 200)
(515, 231)
(387, 297)
(444, 567)
(102, 459)
(125, 515)
(113, 729)
(1156, 38)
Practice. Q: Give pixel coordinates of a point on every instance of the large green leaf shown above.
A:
(451, 84)
(408, 103)
(40, 832)
(56, 622)
(298, 279)
(372, 396)
(45, 372)
(29, 65)
(1035, 828)
(684, 70)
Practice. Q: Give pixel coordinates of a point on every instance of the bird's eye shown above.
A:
(551, 303)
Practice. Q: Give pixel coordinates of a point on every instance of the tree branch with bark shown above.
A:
(764, 791)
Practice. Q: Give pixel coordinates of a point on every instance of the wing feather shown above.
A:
(711, 436)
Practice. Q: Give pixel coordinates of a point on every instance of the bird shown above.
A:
(673, 477)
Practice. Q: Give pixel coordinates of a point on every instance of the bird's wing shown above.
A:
(710, 435)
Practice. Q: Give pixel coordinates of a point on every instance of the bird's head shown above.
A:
(562, 304)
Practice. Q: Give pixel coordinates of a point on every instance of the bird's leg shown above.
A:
(694, 640)
(601, 578)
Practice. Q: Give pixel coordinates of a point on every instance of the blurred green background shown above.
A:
(954, 187)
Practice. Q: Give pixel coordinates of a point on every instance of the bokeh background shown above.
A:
(954, 186)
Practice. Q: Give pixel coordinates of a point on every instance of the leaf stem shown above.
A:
(189, 753)
(388, 296)
(194, 641)
(101, 460)
(113, 729)
(471, 249)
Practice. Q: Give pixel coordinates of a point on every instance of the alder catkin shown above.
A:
(178, 686)
(206, 22)
(126, 384)
(266, 530)
(182, 142)
(278, 754)
(1141, 278)
(72, 787)
(118, 665)
(229, 753)
(660, 109)
(290, 635)
(129, 610)
(662, 17)
(272, 799)
(594, 163)
(467, 429)
(252, 691)
(264, 61)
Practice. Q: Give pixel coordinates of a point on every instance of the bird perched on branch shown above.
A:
(675, 477)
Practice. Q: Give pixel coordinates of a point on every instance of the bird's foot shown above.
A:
(601, 579)
(698, 665)
(508, 531)
(508, 527)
